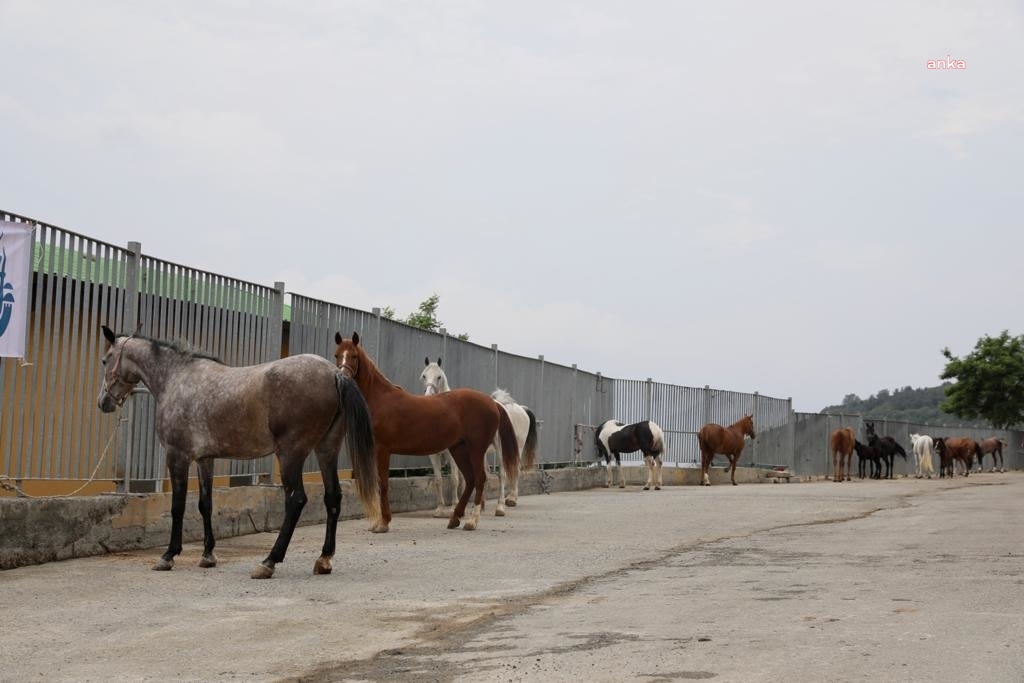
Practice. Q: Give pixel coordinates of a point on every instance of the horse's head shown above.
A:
(747, 425)
(869, 428)
(120, 374)
(433, 378)
(939, 445)
(348, 355)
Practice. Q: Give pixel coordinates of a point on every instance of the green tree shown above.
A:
(425, 316)
(989, 381)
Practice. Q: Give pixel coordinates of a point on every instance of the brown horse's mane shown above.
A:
(158, 346)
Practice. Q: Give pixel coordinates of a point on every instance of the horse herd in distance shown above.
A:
(882, 450)
(305, 404)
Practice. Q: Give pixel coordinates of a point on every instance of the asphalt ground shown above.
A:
(903, 580)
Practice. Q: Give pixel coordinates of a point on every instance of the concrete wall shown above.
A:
(38, 530)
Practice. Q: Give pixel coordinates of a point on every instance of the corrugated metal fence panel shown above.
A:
(236, 321)
(50, 427)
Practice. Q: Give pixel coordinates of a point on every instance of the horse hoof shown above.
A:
(262, 571)
(622, 486)
(207, 561)
(500, 512)
(735, 484)
(470, 525)
(647, 488)
(510, 502)
(163, 565)
(453, 523)
(657, 488)
(322, 566)
(607, 486)
(379, 528)
(441, 512)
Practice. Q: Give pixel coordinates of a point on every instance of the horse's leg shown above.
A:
(294, 501)
(607, 472)
(705, 464)
(460, 454)
(480, 489)
(327, 456)
(649, 462)
(835, 465)
(383, 458)
(500, 510)
(657, 478)
(205, 467)
(733, 459)
(435, 462)
(622, 475)
(177, 470)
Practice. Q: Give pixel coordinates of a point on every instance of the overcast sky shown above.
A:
(778, 197)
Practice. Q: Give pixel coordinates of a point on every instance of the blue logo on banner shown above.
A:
(6, 292)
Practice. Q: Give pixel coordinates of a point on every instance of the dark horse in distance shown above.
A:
(887, 447)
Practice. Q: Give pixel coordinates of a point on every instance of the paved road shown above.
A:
(900, 580)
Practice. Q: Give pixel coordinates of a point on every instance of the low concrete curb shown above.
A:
(39, 530)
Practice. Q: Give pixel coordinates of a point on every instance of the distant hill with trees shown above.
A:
(922, 406)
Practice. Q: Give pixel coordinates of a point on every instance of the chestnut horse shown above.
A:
(841, 444)
(954, 449)
(993, 445)
(728, 441)
(207, 410)
(462, 421)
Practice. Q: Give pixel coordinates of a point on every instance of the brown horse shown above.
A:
(462, 421)
(841, 444)
(728, 441)
(993, 445)
(953, 449)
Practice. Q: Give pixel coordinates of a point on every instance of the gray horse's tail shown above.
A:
(359, 439)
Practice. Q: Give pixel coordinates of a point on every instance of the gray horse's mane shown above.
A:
(158, 346)
(502, 396)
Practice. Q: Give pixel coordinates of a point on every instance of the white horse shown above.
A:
(524, 423)
(923, 454)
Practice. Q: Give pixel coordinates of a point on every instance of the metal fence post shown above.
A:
(494, 347)
(131, 288)
(648, 388)
(790, 447)
(376, 351)
(572, 408)
(277, 323)
(753, 442)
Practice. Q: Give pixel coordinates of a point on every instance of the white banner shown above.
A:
(15, 287)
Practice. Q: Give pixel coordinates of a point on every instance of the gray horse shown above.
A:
(207, 410)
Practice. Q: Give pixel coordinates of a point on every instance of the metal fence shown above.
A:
(560, 396)
(51, 430)
(50, 427)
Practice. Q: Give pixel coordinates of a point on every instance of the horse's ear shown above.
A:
(337, 337)
(439, 361)
(108, 334)
(355, 339)
(426, 361)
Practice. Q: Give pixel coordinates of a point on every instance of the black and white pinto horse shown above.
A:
(614, 438)
(887, 446)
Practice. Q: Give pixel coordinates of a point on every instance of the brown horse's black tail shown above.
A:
(359, 440)
(509, 448)
(529, 453)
